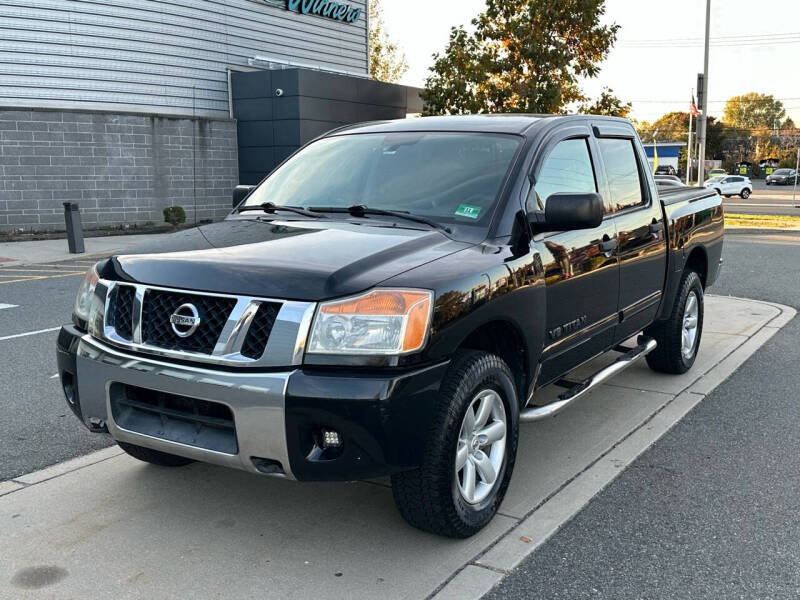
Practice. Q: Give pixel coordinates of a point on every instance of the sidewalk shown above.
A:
(107, 526)
(44, 251)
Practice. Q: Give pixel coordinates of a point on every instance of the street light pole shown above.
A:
(703, 118)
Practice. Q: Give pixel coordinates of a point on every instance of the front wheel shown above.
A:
(679, 336)
(470, 452)
(745, 194)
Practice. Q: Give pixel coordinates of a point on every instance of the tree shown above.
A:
(674, 127)
(607, 104)
(754, 111)
(524, 56)
(671, 127)
(386, 61)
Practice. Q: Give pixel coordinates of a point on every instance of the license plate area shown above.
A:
(174, 418)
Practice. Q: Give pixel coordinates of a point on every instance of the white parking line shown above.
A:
(2, 306)
(27, 333)
(783, 205)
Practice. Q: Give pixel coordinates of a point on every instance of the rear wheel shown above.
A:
(154, 457)
(679, 336)
(745, 193)
(470, 451)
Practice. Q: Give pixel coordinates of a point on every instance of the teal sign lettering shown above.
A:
(338, 11)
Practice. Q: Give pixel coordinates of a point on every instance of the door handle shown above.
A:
(608, 245)
(656, 226)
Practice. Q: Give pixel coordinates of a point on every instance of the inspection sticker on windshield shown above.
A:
(469, 211)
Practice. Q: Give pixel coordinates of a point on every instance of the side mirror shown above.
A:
(240, 192)
(566, 211)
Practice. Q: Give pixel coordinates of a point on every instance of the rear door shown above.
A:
(581, 267)
(633, 205)
(728, 186)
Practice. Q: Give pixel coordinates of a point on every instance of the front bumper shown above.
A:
(382, 419)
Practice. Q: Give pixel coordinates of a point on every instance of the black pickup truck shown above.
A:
(388, 301)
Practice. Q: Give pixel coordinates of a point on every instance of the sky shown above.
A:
(647, 66)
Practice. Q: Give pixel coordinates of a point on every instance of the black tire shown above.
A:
(668, 357)
(429, 498)
(744, 194)
(727, 195)
(154, 457)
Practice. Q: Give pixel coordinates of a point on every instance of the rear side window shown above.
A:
(622, 170)
(568, 168)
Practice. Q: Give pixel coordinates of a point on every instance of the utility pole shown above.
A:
(703, 118)
(794, 189)
(689, 144)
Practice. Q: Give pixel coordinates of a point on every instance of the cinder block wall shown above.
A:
(119, 168)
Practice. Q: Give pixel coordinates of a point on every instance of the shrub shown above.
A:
(174, 215)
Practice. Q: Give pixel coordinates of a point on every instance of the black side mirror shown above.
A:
(565, 211)
(240, 192)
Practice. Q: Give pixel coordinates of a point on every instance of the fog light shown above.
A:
(331, 439)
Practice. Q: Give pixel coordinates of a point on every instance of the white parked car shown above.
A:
(730, 185)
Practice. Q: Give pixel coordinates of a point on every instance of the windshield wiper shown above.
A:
(270, 207)
(359, 210)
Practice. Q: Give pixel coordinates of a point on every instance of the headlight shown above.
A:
(81, 311)
(382, 322)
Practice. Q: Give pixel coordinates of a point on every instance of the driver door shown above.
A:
(581, 267)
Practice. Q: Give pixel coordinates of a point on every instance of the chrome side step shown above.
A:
(539, 413)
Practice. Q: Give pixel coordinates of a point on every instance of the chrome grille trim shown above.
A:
(285, 344)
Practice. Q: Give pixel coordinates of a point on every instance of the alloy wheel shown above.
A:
(481, 446)
(691, 314)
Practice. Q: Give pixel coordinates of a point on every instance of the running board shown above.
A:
(539, 413)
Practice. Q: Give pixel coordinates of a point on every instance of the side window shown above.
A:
(568, 168)
(622, 170)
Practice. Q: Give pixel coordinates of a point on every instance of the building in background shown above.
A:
(127, 106)
(667, 154)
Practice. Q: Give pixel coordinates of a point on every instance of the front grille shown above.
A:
(180, 419)
(260, 328)
(121, 310)
(158, 307)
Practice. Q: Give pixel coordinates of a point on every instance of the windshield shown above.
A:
(449, 177)
(782, 172)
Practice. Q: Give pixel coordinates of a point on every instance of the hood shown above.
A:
(294, 260)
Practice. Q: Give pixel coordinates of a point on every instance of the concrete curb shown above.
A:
(546, 519)
(59, 469)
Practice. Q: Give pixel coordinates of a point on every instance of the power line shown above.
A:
(710, 101)
(743, 40)
(718, 37)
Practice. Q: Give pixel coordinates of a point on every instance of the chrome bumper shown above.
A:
(257, 401)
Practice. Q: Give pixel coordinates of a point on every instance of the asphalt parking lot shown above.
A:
(766, 200)
(249, 534)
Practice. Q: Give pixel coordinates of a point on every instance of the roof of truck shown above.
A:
(489, 123)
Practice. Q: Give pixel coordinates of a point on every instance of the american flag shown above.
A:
(693, 108)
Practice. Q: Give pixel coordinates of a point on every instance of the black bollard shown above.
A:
(72, 216)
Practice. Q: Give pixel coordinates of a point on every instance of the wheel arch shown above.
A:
(697, 261)
(505, 339)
